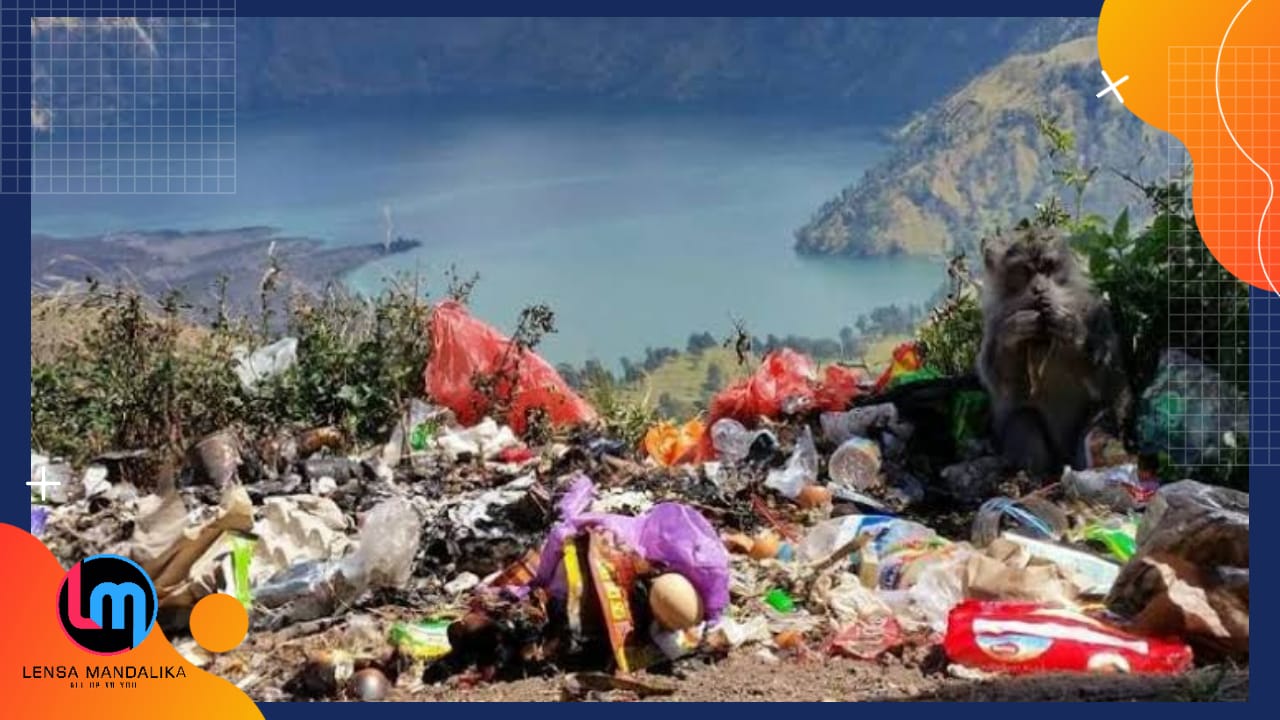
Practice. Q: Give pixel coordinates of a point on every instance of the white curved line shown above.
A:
(1271, 186)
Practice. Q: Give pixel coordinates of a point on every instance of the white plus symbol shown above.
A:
(45, 483)
(1112, 87)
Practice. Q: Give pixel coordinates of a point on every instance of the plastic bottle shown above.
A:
(855, 464)
(387, 546)
(734, 442)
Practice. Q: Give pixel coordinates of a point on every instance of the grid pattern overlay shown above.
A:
(125, 96)
(1203, 298)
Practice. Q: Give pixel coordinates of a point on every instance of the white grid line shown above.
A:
(139, 99)
(1192, 110)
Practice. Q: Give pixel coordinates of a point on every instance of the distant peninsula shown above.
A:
(192, 262)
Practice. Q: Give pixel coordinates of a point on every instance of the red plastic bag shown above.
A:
(1020, 637)
(464, 349)
(786, 381)
(785, 376)
(840, 385)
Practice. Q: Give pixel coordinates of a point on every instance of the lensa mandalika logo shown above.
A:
(107, 604)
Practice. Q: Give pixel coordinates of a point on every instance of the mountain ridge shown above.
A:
(975, 161)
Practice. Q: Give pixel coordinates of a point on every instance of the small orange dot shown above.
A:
(219, 622)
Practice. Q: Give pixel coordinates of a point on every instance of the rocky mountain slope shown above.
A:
(976, 160)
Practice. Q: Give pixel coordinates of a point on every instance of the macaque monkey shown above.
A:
(1049, 356)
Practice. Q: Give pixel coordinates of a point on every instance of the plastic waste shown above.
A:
(1094, 575)
(907, 366)
(1118, 536)
(892, 551)
(784, 376)
(95, 481)
(837, 427)
(867, 638)
(1190, 574)
(938, 587)
(240, 561)
(840, 386)
(786, 383)
(387, 544)
(672, 536)
(389, 541)
(1118, 488)
(1191, 413)
(486, 439)
(969, 414)
(670, 444)
(855, 465)
(728, 633)
(414, 437)
(423, 640)
(779, 600)
(735, 443)
(676, 644)
(1020, 637)
(251, 368)
(801, 468)
(464, 350)
(1032, 516)
(39, 519)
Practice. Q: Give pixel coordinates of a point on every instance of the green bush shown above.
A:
(1166, 273)
(143, 376)
(138, 378)
(952, 334)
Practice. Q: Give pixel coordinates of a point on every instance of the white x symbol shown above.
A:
(1112, 87)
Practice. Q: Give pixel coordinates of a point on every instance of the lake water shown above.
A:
(637, 229)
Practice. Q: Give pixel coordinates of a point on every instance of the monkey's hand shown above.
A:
(1066, 327)
(1020, 326)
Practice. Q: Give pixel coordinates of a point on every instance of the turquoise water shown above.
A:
(636, 229)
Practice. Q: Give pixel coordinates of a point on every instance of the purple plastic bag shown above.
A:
(39, 518)
(672, 536)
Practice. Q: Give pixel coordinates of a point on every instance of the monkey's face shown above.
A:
(1032, 273)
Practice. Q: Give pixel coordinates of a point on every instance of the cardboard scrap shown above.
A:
(180, 555)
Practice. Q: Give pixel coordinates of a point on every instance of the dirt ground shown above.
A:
(749, 675)
(748, 679)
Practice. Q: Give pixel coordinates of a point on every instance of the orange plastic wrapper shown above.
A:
(670, 444)
(613, 574)
(464, 349)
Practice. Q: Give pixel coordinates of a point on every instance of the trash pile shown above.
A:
(808, 516)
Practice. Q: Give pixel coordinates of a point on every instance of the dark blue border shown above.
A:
(15, 217)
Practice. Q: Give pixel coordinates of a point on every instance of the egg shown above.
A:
(765, 545)
(674, 602)
(813, 496)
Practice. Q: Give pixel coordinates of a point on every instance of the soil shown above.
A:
(749, 679)
(748, 675)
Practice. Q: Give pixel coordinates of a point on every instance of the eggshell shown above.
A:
(813, 496)
(738, 543)
(765, 546)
